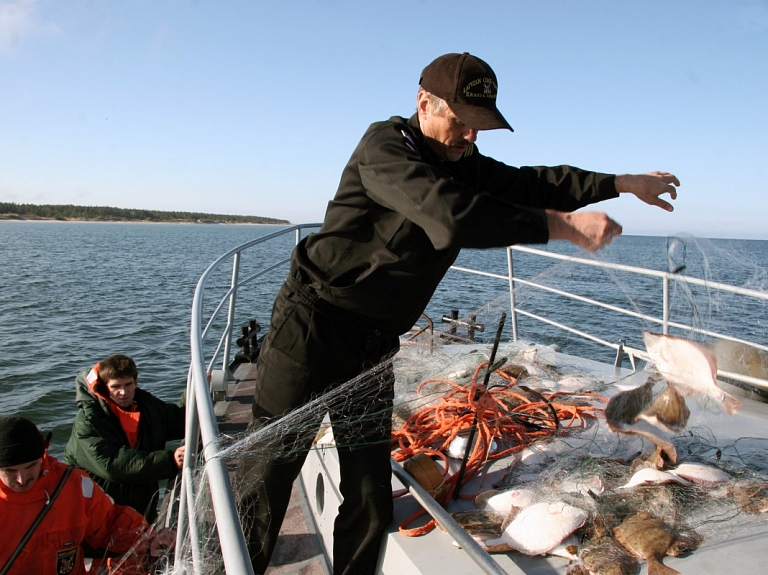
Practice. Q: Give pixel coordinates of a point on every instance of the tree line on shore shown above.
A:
(10, 210)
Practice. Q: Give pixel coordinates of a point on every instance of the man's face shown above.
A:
(21, 478)
(122, 390)
(445, 133)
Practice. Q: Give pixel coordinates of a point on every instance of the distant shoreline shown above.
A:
(108, 214)
(4, 218)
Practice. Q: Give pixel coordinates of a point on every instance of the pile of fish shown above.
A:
(607, 515)
(599, 531)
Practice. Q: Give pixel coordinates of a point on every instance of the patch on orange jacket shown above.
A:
(66, 561)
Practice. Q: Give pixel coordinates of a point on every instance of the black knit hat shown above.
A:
(469, 87)
(20, 441)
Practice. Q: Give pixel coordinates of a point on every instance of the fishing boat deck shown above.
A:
(298, 550)
(307, 532)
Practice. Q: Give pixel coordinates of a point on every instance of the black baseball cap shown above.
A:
(20, 441)
(469, 87)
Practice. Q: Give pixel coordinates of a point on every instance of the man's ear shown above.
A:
(422, 102)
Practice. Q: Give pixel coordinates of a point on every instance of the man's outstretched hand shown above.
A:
(649, 187)
(589, 230)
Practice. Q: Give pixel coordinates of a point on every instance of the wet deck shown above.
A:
(298, 550)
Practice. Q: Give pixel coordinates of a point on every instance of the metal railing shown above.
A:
(201, 420)
(665, 321)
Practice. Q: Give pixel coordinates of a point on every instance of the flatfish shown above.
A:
(624, 407)
(605, 556)
(668, 409)
(690, 367)
(539, 528)
(651, 539)
(495, 510)
(581, 484)
(613, 507)
(653, 434)
(577, 383)
(479, 523)
(506, 502)
(702, 474)
(652, 476)
(515, 370)
(751, 494)
(638, 412)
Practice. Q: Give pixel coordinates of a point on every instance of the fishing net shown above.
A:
(525, 415)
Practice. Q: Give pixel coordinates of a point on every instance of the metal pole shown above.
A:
(186, 504)
(665, 311)
(471, 438)
(467, 543)
(231, 316)
(513, 310)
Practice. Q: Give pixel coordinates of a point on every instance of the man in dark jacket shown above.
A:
(120, 433)
(414, 193)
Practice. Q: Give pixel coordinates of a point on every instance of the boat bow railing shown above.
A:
(202, 435)
(203, 438)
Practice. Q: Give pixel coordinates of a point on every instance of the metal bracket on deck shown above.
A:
(620, 355)
(248, 342)
(470, 324)
(220, 379)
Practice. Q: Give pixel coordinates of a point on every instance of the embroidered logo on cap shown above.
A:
(487, 85)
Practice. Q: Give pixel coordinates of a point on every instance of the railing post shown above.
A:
(665, 311)
(513, 310)
(184, 527)
(231, 316)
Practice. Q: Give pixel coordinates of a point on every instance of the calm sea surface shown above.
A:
(73, 293)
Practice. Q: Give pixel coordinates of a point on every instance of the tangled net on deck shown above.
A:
(504, 419)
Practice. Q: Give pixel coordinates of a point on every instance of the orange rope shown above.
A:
(509, 417)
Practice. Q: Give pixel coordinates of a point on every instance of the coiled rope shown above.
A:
(507, 415)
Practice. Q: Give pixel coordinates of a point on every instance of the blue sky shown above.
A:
(248, 107)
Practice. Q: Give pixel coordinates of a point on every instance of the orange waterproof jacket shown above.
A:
(81, 513)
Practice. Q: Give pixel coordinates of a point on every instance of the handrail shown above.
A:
(201, 426)
(201, 423)
(666, 277)
(665, 321)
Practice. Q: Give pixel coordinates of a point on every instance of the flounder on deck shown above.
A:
(652, 476)
(701, 474)
(539, 528)
(604, 556)
(651, 539)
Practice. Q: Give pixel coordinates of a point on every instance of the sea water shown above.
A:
(72, 293)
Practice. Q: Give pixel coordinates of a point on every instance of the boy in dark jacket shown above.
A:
(120, 433)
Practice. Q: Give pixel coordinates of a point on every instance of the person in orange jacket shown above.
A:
(50, 509)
